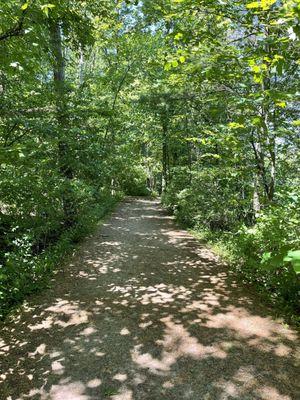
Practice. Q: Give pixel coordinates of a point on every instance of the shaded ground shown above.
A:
(144, 312)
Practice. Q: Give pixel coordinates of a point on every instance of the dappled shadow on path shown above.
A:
(143, 311)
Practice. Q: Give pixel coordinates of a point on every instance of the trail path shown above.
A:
(145, 312)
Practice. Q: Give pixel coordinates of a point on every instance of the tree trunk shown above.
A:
(62, 120)
(165, 177)
(260, 164)
(256, 199)
(269, 138)
(81, 68)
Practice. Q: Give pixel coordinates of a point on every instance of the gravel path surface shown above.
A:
(145, 312)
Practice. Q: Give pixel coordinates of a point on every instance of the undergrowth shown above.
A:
(25, 273)
(279, 292)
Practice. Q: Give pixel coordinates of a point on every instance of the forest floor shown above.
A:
(143, 311)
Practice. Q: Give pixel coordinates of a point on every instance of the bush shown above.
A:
(264, 251)
(24, 271)
(207, 198)
(133, 181)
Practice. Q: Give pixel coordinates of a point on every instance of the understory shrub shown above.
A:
(267, 252)
(24, 270)
(264, 251)
(209, 198)
(133, 180)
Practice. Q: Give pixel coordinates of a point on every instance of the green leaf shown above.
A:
(254, 4)
(178, 36)
(235, 125)
(3, 277)
(270, 261)
(266, 4)
(281, 104)
(256, 121)
(266, 257)
(24, 6)
(256, 69)
(258, 79)
(294, 258)
(46, 7)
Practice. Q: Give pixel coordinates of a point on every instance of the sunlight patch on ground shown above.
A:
(125, 394)
(176, 343)
(64, 313)
(68, 391)
(247, 325)
(245, 381)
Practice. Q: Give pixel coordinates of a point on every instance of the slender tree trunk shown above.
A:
(256, 199)
(81, 68)
(266, 117)
(272, 152)
(260, 164)
(165, 177)
(270, 147)
(62, 120)
(189, 149)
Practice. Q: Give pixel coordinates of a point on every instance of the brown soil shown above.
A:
(145, 312)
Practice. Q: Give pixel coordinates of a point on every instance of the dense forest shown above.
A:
(194, 101)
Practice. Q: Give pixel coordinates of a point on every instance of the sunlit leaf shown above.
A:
(24, 6)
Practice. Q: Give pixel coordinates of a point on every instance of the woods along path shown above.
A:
(143, 311)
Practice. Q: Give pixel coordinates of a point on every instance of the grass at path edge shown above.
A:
(46, 264)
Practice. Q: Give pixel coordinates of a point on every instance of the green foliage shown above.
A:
(266, 253)
(62, 154)
(294, 258)
(24, 270)
(134, 181)
(209, 198)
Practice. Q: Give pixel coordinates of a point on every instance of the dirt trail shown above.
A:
(144, 312)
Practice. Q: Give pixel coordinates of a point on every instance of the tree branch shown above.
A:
(16, 30)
